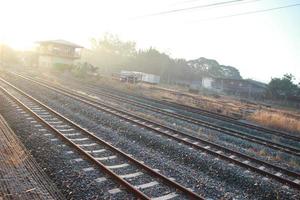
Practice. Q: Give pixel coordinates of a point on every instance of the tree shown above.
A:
(284, 87)
(152, 61)
(205, 67)
(230, 72)
(109, 53)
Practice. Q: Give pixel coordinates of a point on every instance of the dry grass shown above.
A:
(276, 120)
(262, 152)
(294, 164)
(218, 105)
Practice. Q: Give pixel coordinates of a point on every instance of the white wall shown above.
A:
(207, 82)
(150, 78)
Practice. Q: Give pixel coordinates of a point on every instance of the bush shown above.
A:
(62, 67)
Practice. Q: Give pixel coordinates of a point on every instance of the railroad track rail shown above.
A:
(263, 168)
(202, 122)
(91, 147)
(212, 115)
(238, 134)
(211, 126)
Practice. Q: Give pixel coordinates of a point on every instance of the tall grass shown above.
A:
(276, 120)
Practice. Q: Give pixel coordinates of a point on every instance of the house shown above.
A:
(240, 87)
(57, 53)
(237, 87)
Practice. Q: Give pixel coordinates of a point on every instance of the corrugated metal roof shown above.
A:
(62, 42)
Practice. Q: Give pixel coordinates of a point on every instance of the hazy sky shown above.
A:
(261, 45)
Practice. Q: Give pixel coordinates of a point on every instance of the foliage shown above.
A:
(62, 67)
(283, 87)
(81, 70)
(210, 67)
(110, 54)
(151, 61)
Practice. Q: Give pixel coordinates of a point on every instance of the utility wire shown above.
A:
(188, 1)
(250, 12)
(232, 4)
(194, 7)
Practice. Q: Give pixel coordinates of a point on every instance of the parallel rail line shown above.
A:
(217, 116)
(261, 167)
(92, 138)
(211, 126)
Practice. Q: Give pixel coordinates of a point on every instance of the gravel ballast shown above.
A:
(206, 175)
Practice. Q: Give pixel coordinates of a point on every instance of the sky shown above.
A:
(261, 45)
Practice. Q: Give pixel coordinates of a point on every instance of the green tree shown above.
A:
(283, 87)
(204, 67)
(109, 53)
(152, 61)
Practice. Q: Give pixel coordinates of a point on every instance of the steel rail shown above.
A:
(217, 116)
(223, 130)
(212, 115)
(239, 123)
(122, 181)
(126, 116)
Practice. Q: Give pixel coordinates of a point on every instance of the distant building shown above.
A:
(207, 82)
(202, 82)
(240, 87)
(237, 87)
(133, 76)
(53, 53)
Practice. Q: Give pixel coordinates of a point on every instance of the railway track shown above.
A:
(211, 126)
(207, 113)
(261, 167)
(201, 112)
(91, 147)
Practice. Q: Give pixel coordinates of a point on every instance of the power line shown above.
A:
(196, 7)
(251, 12)
(194, 1)
(185, 2)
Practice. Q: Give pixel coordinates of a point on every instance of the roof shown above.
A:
(62, 42)
(257, 83)
(253, 82)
